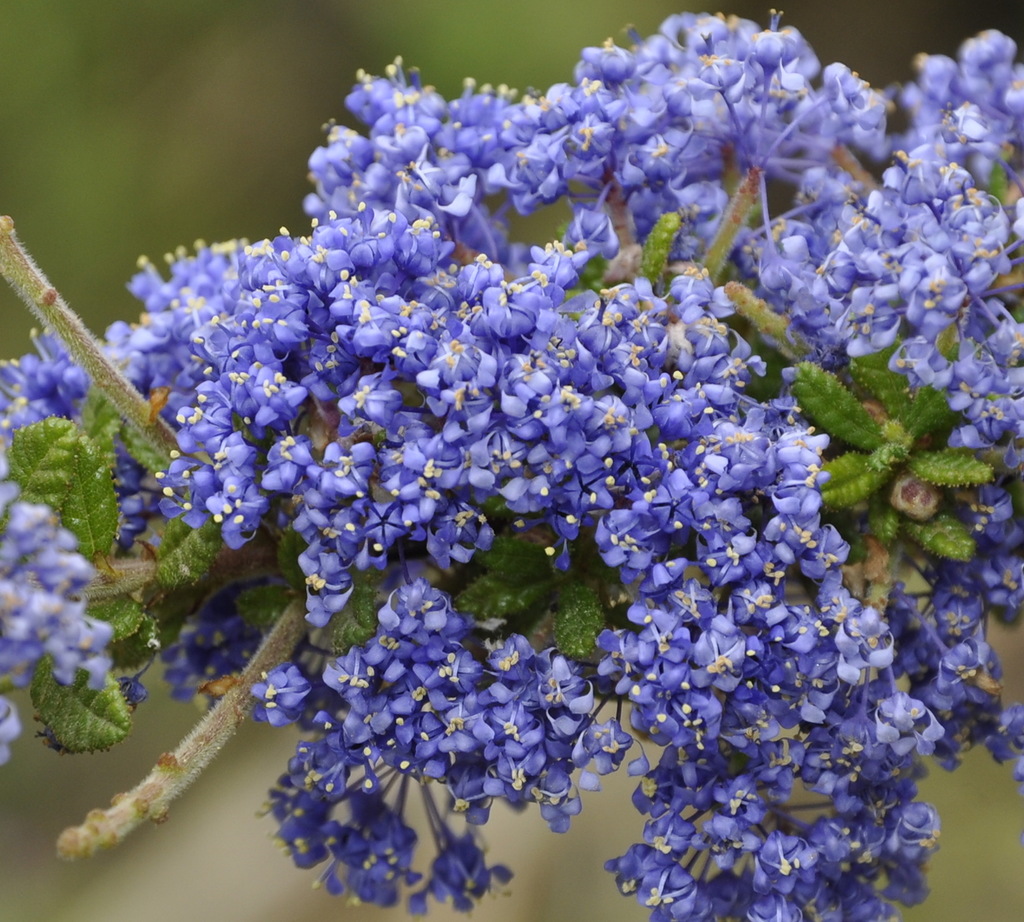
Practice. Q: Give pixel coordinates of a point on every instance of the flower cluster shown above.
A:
(746, 476)
(414, 702)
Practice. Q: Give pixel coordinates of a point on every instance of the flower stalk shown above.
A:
(175, 771)
(45, 302)
(759, 313)
(737, 213)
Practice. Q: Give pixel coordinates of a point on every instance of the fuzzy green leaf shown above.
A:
(951, 467)
(138, 647)
(187, 553)
(658, 245)
(884, 459)
(930, 413)
(101, 421)
(143, 451)
(883, 521)
(260, 606)
(826, 400)
(517, 559)
(891, 388)
(358, 620)
(57, 463)
(578, 621)
(82, 719)
(495, 596)
(853, 479)
(944, 535)
(124, 615)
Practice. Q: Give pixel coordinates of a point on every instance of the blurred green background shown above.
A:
(129, 128)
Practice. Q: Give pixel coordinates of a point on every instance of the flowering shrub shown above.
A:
(718, 486)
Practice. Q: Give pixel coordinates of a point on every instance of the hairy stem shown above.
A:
(49, 307)
(175, 771)
(117, 578)
(764, 319)
(737, 213)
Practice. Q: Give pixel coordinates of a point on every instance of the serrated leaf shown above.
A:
(883, 521)
(853, 479)
(140, 646)
(944, 535)
(826, 400)
(517, 558)
(124, 615)
(929, 413)
(884, 459)
(39, 457)
(495, 596)
(260, 606)
(59, 464)
(101, 421)
(951, 467)
(359, 619)
(891, 388)
(658, 245)
(578, 621)
(82, 719)
(142, 451)
(187, 553)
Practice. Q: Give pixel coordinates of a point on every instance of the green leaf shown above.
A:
(519, 581)
(578, 621)
(101, 421)
(658, 245)
(951, 467)
(124, 615)
(883, 521)
(187, 553)
(884, 459)
(359, 618)
(57, 463)
(872, 373)
(260, 606)
(289, 549)
(834, 407)
(496, 509)
(853, 479)
(944, 535)
(135, 632)
(930, 413)
(82, 719)
(517, 559)
(142, 451)
(998, 182)
(592, 276)
(140, 646)
(495, 596)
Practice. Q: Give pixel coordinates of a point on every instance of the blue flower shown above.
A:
(280, 695)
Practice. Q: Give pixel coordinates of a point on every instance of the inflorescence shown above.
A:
(721, 484)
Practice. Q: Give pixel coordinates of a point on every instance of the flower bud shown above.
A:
(915, 498)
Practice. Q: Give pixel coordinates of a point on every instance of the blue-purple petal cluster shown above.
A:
(482, 453)
(414, 704)
(405, 382)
